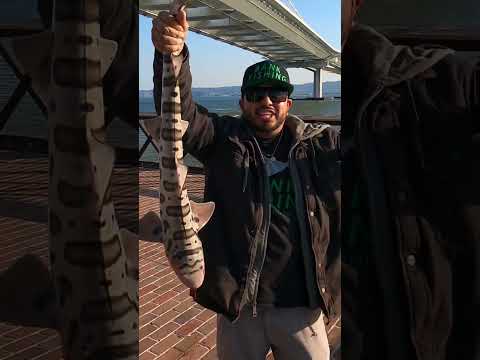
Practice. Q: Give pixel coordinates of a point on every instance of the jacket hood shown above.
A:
(302, 130)
(380, 61)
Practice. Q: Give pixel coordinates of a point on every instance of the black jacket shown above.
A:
(410, 138)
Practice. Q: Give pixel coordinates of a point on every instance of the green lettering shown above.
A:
(279, 202)
(276, 185)
(289, 202)
(288, 188)
(264, 68)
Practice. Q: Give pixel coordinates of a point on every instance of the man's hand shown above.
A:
(169, 33)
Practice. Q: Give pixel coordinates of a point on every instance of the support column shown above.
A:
(317, 83)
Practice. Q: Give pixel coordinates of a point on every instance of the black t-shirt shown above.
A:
(282, 280)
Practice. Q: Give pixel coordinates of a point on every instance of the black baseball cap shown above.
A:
(266, 73)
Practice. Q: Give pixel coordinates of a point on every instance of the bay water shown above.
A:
(222, 105)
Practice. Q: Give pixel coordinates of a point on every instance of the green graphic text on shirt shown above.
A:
(282, 194)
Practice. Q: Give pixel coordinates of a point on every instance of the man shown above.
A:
(411, 169)
(272, 248)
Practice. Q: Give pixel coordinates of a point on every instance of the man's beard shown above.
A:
(263, 128)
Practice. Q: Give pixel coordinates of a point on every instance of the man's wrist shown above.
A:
(184, 54)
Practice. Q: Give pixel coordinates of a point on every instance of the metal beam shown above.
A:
(204, 13)
(304, 64)
(215, 23)
(290, 52)
(279, 19)
(164, 5)
(253, 38)
(233, 34)
(264, 47)
(297, 61)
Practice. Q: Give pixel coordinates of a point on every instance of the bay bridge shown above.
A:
(265, 27)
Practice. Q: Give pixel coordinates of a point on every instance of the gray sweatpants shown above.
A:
(291, 333)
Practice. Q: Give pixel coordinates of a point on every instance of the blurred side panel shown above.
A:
(28, 311)
(411, 168)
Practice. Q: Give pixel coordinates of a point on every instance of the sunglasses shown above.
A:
(258, 94)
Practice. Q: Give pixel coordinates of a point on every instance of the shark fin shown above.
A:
(28, 294)
(33, 56)
(150, 227)
(108, 50)
(152, 126)
(182, 173)
(130, 244)
(202, 212)
(38, 67)
(183, 126)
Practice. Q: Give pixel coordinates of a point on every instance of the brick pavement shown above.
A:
(23, 224)
(172, 326)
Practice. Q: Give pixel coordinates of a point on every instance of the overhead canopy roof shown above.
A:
(450, 23)
(424, 14)
(266, 27)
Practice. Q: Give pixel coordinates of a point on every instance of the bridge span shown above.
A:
(266, 27)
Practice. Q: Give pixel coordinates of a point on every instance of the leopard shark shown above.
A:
(95, 284)
(180, 219)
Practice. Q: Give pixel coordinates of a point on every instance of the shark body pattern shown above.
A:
(98, 294)
(180, 218)
(96, 285)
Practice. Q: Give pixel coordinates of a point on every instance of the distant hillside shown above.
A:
(330, 88)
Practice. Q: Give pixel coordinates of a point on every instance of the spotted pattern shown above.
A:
(99, 306)
(70, 140)
(74, 196)
(171, 135)
(178, 210)
(87, 76)
(185, 234)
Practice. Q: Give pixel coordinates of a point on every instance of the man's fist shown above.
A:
(169, 33)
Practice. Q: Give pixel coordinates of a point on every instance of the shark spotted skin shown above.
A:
(97, 291)
(96, 285)
(180, 219)
(98, 296)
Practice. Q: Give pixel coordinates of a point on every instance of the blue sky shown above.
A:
(214, 63)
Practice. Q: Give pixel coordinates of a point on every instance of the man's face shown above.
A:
(349, 10)
(266, 109)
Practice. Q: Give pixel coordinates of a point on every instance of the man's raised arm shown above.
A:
(168, 36)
